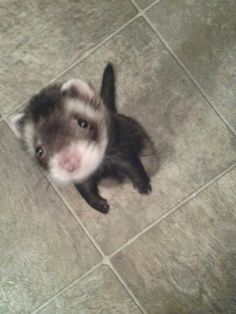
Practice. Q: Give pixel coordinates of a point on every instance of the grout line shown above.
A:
(16, 107)
(189, 74)
(173, 209)
(8, 124)
(76, 217)
(146, 8)
(74, 282)
(92, 50)
(136, 6)
(123, 283)
(85, 55)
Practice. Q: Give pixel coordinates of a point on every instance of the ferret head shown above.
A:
(65, 128)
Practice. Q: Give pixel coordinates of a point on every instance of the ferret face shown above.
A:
(65, 129)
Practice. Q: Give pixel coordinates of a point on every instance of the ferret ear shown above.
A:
(108, 90)
(78, 88)
(16, 123)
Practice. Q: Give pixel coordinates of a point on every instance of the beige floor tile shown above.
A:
(39, 39)
(99, 292)
(186, 264)
(42, 247)
(202, 33)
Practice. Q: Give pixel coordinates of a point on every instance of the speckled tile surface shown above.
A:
(202, 33)
(179, 120)
(173, 251)
(187, 264)
(99, 292)
(41, 38)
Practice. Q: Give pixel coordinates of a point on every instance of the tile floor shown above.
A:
(172, 252)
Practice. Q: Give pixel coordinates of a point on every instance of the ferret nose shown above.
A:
(69, 162)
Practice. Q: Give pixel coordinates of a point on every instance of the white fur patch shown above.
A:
(28, 137)
(90, 155)
(77, 106)
(14, 124)
(26, 134)
(83, 88)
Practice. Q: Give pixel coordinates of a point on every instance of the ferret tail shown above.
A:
(108, 92)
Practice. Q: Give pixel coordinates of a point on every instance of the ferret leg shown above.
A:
(135, 171)
(90, 193)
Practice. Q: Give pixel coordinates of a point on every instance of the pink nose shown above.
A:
(69, 161)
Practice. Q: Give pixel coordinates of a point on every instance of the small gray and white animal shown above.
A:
(79, 137)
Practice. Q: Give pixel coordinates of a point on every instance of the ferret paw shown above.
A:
(144, 187)
(102, 206)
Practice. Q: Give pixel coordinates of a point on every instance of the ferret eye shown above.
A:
(83, 123)
(39, 151)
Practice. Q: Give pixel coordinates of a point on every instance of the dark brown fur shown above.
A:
(130, 152)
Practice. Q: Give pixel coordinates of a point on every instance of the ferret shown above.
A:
(79, 137)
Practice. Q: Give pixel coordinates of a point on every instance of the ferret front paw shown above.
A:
(102, 206)
(143, 187)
